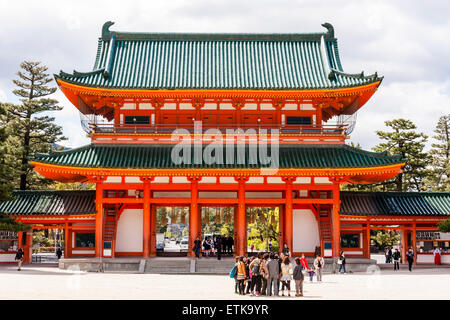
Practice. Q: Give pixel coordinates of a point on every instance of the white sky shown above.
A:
(405, 41)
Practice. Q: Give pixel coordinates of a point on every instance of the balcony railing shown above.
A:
(167, 129)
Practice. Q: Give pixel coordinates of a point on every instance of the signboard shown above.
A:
(432, 235)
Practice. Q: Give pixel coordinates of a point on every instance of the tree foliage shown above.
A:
(404, 139)
(28, 128)
(444, 226)
(386, 238)
(439, 177)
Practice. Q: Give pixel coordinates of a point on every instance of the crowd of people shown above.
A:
(216, 245)
(268, 274)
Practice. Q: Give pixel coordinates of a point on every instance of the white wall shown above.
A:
(130, 231)
(306, 232)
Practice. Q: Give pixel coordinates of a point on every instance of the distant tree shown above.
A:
(5, 175)
(28, 130)
(406, 141)
(386, 238)
(444, 226)
(439, 177)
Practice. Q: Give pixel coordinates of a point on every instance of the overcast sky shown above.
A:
(405, 41)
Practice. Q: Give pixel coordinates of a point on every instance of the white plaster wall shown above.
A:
(306, 231)
(130, 231)
(7, 257)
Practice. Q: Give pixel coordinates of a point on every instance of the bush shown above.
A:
(444, 226)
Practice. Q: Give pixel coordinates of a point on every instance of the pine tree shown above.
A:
(28, 129)
(405, 140)
(439, 178)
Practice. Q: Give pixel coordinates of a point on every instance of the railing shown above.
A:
(167, 129)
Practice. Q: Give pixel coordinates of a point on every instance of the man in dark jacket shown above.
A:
(410, 258)
(218, 245)
(396, 257)
(298, 278)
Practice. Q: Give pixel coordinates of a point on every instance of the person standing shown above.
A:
(286, 275)
(390, 255)
(230, 244)
(280, 260)
(197, 247)
(319, 264)
(58, 252)
(247, 282)
(386, 254)
(219, 247)
(264, 274)
(236, 282)
(255, 267)
(396, 257)
(286, 251)
(241, 275)
(274, 273)
(341, 262)
(437, 256)
(410, 258)
(298, 277)
(19, 258)
(270, 245)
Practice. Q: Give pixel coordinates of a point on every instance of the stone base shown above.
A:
(184, 265)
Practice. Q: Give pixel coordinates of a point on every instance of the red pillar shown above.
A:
(66, 240)
(194, 219)
(335, 219)
(404, 244)
(288, 218)
(146, 217)
(414, 242)
(281, 228)
(368, 239)
(241, 219)
(99, 218)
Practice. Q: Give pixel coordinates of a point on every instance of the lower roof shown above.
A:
(54, 203)
(51, 203)
(395, 203)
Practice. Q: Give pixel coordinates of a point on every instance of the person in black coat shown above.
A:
(410, 258)
(218, 246)
(197, 247)
(58, 252)
(19, 258)
(396, 256)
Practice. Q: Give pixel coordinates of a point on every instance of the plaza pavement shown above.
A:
(48, 282)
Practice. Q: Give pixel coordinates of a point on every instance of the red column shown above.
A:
(99, 218)
(414, 242)
(404, 244)
(241, 219)
(28, 247)
(66, 240)
(146, 218)
(335, 219)
(194, 219)
(368, 239)
(288, 218)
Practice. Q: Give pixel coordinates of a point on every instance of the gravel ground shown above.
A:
(47, 282)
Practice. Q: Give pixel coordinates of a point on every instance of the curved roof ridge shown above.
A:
(374, 153)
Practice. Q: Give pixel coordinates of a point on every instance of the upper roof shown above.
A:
(395, 203)
(157, 61)
(37, 202)
(150, 156)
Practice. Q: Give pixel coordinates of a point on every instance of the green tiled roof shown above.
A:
(155, 61)
(395, 203)
(159, 156)
(50, 203)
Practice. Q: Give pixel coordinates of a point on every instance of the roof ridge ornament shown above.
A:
(330, 29)
(106, 33)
